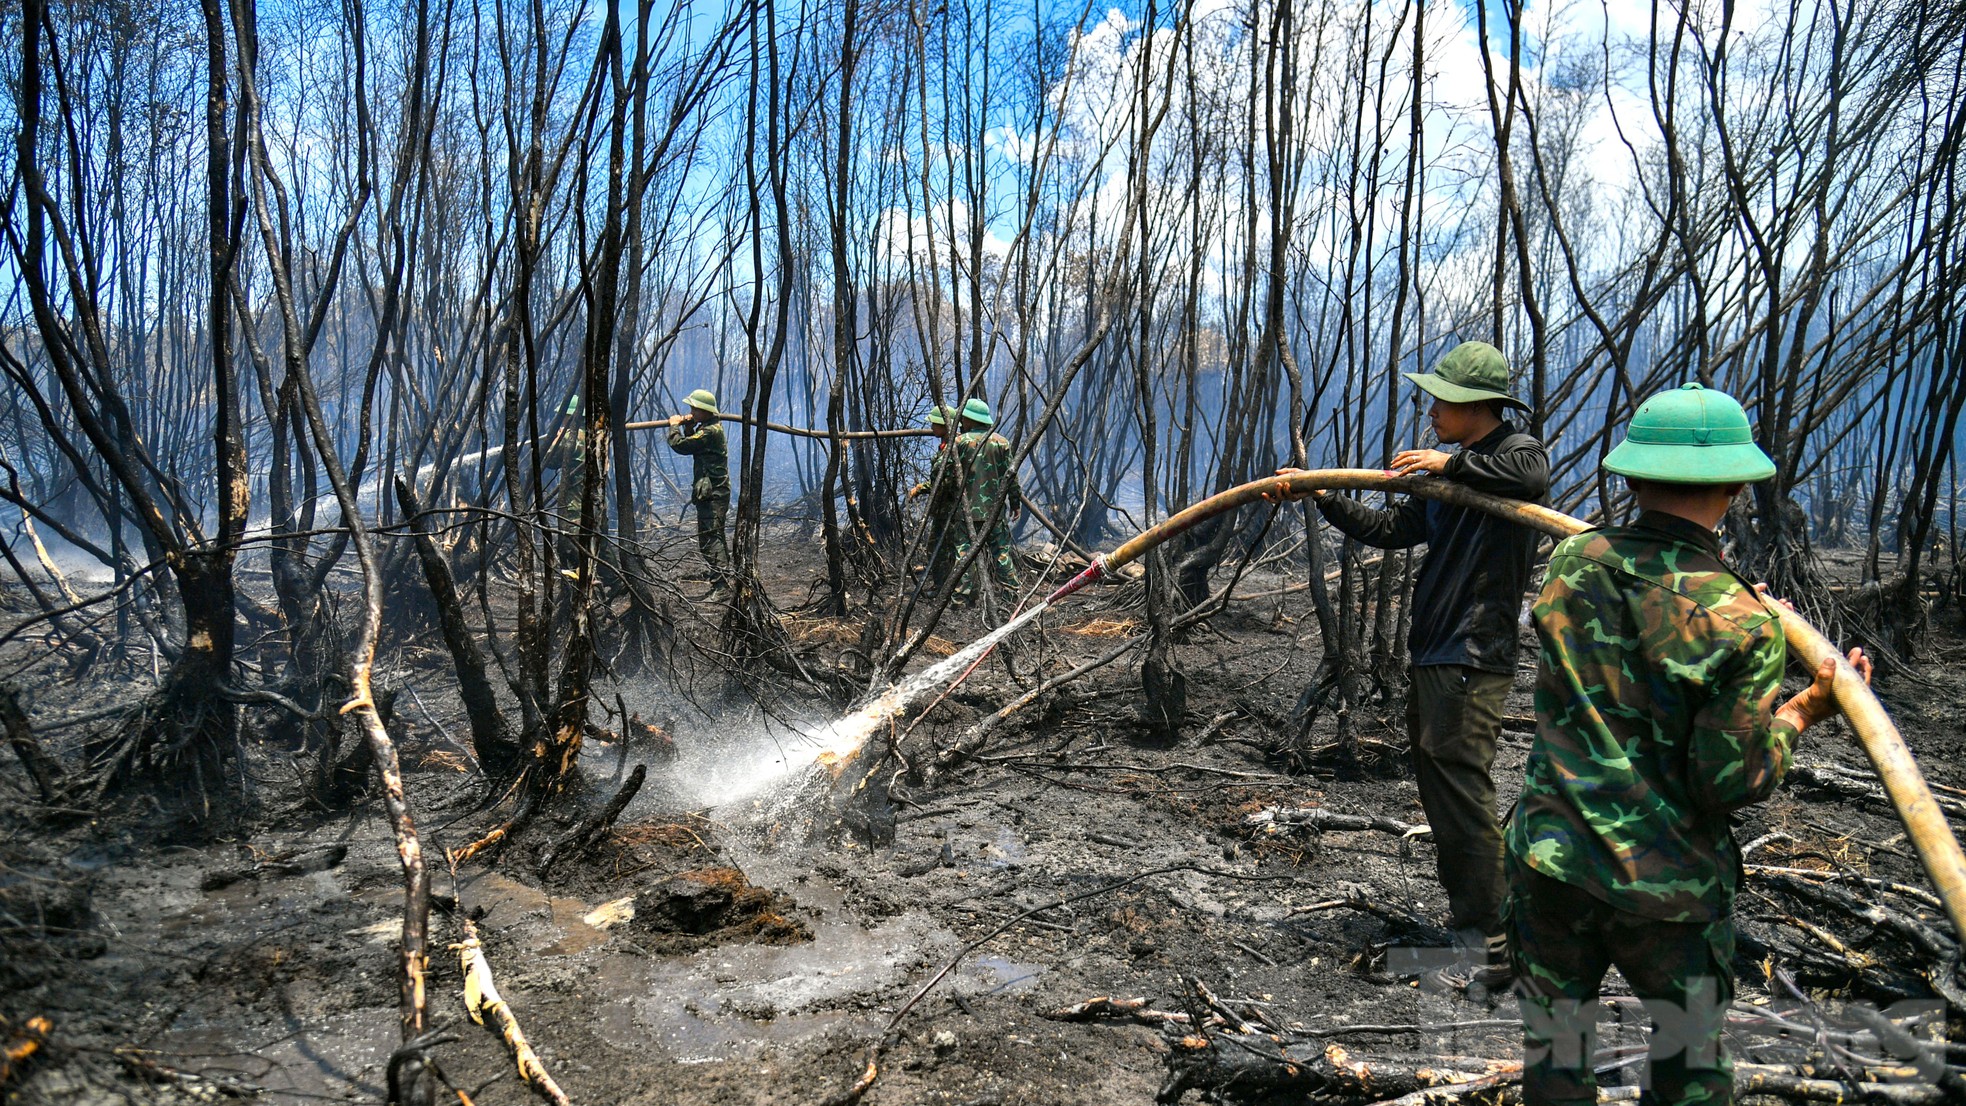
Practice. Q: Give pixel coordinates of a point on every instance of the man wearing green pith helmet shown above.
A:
(698, 435)
(983, 458)
(943, 487)
(1656, 681)
(1467, 598)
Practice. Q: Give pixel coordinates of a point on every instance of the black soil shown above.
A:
(767, 952)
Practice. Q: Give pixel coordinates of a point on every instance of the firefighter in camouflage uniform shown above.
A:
(566, 455)
(1655, 718)
(944, 488)
(984, 460)
(698, 435)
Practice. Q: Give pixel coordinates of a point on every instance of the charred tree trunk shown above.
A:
(499, 752)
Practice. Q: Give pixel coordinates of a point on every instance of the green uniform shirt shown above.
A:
(984, 460)
(943, 483)
(711, 457)
(567, 455)
(1654, 718)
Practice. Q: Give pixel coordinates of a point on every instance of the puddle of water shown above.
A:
(542, 924)
(334, 1056)
(742, 1001)
(737, 1002)
(1006, 851)
(990, 974)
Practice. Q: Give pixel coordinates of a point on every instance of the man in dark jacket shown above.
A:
(1467, 598)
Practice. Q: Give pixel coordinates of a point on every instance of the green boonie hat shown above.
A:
(940, 414)
(703, 400)
(1690, 435)
(975, 410)
(1469, 373)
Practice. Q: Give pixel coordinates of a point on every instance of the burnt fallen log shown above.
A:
(1135, 1011)
(1796, 1087)
(1939, 952)
(1252, 1067)
(201, 1085)
(1843, 782)
(1231, 1057)
(1261, 1067)
(1274, 820)
(1401, 924)
(1237, 1058)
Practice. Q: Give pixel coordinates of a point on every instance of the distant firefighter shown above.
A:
(567, 455)
(700, 436)
(944, 489)
(984, 460)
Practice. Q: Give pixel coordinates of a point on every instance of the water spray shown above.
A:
(1925, 824)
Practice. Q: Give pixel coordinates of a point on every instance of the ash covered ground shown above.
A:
(768, 950)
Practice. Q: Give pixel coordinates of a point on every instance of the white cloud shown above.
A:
(902, 233)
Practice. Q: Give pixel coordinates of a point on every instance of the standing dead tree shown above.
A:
(186, 730)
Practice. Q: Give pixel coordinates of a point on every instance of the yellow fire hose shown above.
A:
(1938, 850)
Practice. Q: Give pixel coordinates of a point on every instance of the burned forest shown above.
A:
(896, 552)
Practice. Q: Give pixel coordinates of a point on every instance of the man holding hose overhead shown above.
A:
(697, 434)
(1467, 600)
(1655, 718)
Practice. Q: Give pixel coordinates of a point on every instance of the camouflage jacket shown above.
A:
(705, 446)
(983, 459)
(1654, 718)
(943, 483)
(567, 452)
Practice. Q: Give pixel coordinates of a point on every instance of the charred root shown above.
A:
(590, 831)
(41, 768)
(177, 744)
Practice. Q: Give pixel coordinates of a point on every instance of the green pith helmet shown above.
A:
(940, 414)
(1469, 373)
(703, 400)
(1690, 435)
(977, 411)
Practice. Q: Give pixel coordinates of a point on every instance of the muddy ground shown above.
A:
(761, 962)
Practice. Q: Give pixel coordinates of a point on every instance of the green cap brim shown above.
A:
(1457, 393)
(1690, 464)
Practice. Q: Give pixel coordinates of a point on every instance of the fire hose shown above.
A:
(1925, 824)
